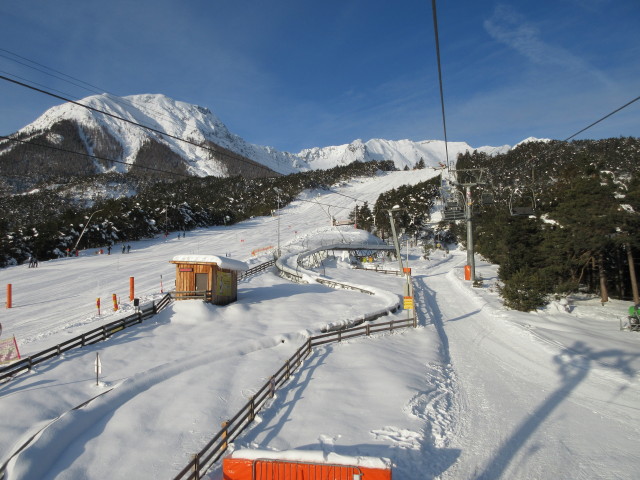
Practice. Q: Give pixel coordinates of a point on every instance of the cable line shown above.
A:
(91, 156)
(93, 89)
(239, 158)
(444, 122)
(598, 121)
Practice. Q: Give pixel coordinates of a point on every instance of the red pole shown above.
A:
(98, 305)
(131, 289)
(8, 295)
(115, 303)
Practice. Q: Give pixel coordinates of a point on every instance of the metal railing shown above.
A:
(93, 336)
(231, 429)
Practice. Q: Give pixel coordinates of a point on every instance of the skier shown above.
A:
(128, 248)
(124, 249)
(109, 250)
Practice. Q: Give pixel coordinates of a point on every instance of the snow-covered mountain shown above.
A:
(404, 153)
(108, 136)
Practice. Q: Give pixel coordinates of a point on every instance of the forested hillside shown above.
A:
(583, 230)
(50, 220)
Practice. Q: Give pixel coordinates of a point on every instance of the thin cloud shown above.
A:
(510, 28)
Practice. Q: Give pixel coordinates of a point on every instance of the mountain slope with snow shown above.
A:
(108, 136)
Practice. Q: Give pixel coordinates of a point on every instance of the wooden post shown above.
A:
(8, 295)
(225, 434)
(196, 466)
(131, 289)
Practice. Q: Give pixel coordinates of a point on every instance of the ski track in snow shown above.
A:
(475, 392)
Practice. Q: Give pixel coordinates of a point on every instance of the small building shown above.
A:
(207, 277)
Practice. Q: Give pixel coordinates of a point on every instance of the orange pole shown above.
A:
(8, 295)
(98, 305)
(467, 272)
(131, 289)
(115, 303)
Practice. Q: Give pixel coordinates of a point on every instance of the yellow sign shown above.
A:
(224, 280)
(408, 303)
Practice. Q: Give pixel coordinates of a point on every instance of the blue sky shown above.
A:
(300, 74)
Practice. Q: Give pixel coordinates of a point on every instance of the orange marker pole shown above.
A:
(8, 295)
(98, 305)
(115, 303)
(131, 289)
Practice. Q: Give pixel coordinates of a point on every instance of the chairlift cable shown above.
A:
(51, 147)
(598, 121)
(93, 88)
(159, 132)
(444, 122)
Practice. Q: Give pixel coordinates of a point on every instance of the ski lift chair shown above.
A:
(522, 205)
(487, 199)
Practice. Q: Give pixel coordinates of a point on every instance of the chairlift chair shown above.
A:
(522, 205)
(487, 199)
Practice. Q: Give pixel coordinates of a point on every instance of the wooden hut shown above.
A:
(207, 277)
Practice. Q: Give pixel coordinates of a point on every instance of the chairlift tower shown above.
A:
(468, 178)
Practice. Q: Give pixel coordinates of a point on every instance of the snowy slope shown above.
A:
(198, 124)
(477, 391)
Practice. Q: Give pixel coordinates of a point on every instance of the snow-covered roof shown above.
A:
(222, 262)
(313, 456)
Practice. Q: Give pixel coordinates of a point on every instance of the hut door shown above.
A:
(202, 282)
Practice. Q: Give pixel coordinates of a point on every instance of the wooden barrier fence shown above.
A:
(93, 336)
(255, 270)
(231, 429)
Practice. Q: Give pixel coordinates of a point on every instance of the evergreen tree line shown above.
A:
(583, 233)
(50, 220)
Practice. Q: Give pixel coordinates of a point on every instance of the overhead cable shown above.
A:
(444, 122)
(598, 121)
(159, 132)
(92, 156)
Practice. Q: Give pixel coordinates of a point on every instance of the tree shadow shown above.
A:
(573, 364)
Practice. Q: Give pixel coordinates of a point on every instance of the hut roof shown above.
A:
(222, 262)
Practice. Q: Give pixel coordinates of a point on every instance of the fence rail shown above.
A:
(88, 338)
(231, 429)
(255, 270)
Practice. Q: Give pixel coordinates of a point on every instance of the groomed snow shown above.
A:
(475, 392)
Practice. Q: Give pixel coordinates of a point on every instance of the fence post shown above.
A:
(225, 434)
(272, 387)
(196, 466)
(252, 408)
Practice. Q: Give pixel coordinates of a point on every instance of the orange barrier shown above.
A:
(98, 305)
(8, 295)
(467, 272)
(115, 302)
(273, 469)
(131, 289)
(264, 249)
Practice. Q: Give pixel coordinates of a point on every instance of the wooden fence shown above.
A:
(255, 270)
(231, 429)
(93, 336)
